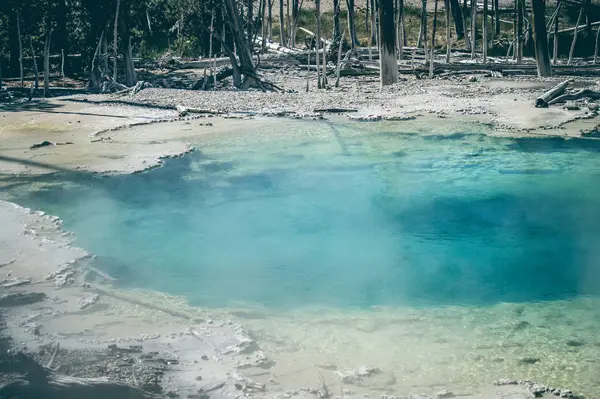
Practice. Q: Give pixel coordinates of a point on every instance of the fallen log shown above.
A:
(335, 110)
(585, 93)
(37, 381)
(21, 298)
(543, 100)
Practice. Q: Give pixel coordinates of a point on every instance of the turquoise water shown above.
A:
(347, 215)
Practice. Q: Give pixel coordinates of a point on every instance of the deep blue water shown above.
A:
(346, 215)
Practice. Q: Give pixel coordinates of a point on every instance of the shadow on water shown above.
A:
(553, 144)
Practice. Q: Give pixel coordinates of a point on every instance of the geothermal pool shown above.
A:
(441, 258)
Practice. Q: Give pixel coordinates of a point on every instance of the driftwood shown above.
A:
(544, 100)
(585, 93)
(37, 381)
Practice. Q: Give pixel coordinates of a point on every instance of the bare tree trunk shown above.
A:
(104, 51)
(263, 25)
(20, 46)
(374, 28)
(555, 50)
(115, 36)
(484, 45)
(318, 44)
(465, 9)
(400, 29)
(244, 54)
(496, 18)
(572, 50)
(458, 19)
(130, 75)
(47, 63)
(596, 46)
(387, 46)
(448, 38)
(270, 22)
(352, 23)
(336, 19)
(251, 23)
(435, 12)
(289, 22)
(95, 74)
(588, 22)
(515, 29)
(35, 68)
(540, 37)
(519, 47)
(282, 24)
(473, 28)
(423, 34)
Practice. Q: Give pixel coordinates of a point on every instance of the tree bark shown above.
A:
(282, 23)
(115, 36)
(473, 28)
(60, 34)
(20, 47)
(387, 46)
(543, 100)
(596, 46)
(572, 50)
(540, 37)
(250, 25)
(448, 37)
(318, 43)
(95, 74)
(555, 49)
(435, 12)
(47, 63)
(519, 44)
(352, 23)
(336, 18)
(35, 68)
(484, 43)
(458, 19)
(244, 53)
(270, 21)
(497, 18)
(400, 29)
(465, 9)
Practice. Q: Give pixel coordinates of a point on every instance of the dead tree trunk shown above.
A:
(20, 47)
(130, 75)
(282, 23)
(484, 44)
(473, 27)
(104, 51)
(464, 17)
(572, 50)
(244, 54)
(318, 44)
(387, 46)
(540, 37)
(448, 38)
(95, 73)
(519, 43)
(35, 68)
(115, 34)
(250, 24)
(352, 23)
(47, 63)
(496, 18)
(555, 49)
(270, 21)
(435, 12)
(400, 29)
(596, 46)
(458, 19)
(336, 19)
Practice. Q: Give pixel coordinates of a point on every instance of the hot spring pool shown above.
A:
(350, 215)
(488, 244)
